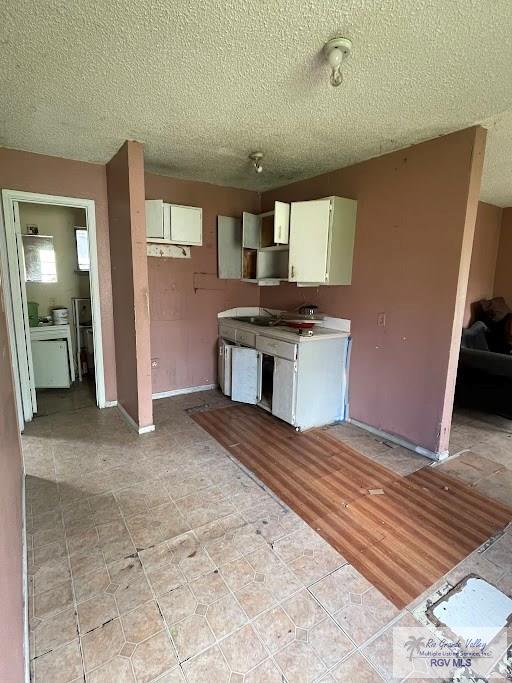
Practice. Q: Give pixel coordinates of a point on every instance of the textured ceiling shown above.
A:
(204, 83)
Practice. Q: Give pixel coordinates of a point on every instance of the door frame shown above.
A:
(13, 291)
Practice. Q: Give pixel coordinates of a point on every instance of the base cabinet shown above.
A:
(245, 374)
(284, 392)
(307, 389)
(224, 366)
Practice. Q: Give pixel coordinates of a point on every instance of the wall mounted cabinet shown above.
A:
(322, 235)
(173, 223)
(254, 248)
(310, 244)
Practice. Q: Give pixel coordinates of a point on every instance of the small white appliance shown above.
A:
(60, 316)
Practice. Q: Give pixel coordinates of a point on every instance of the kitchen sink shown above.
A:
(261, 320)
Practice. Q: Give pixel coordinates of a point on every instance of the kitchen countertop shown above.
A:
(285, 333)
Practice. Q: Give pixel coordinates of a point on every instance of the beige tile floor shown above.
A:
(79, 395)
(481, 450)
(158, 558)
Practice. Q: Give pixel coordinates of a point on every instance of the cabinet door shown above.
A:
(284, 389)
(229, 248)
(155, 219)
(281, 222)
(51, 364)
(225, 366)
(245, 375)
(309, 239)
(186, 225)
(251, 228)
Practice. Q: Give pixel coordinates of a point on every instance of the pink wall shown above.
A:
(125, 180)
(413, 226)
(51, 175)
(483, 256)
(503, 280)
(186, 295)
(11, 477)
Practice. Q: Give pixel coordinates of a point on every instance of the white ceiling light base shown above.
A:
(256, 158)
(335, 51)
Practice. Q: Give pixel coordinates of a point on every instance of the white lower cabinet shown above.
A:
(245, 375)
(224, 366)
(284, 389)
(303, 384)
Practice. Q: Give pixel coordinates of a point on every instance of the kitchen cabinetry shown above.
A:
(301, 380)
(173, 223)
(284, 389)
(311, 243)
(245, 375)
(255, 248)
(322, 235)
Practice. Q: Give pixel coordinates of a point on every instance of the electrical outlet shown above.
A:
(155, 362)
(381, 319)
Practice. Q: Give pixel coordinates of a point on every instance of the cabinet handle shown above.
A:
(292, 273)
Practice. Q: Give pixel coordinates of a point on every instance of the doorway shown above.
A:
(49, 265)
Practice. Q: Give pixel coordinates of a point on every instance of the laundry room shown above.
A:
(56, 274)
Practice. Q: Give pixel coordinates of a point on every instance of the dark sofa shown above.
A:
(484, 377)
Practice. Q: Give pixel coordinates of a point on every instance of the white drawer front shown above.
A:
(275, 347)
(227, 332)
(246, 338)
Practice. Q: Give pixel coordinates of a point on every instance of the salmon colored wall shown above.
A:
(483, 256)
(503, 280)
(125, 180)
(11, 477)
(413, 225)
(51, 175)
(186, 295)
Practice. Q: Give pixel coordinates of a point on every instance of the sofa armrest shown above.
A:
(499, 364)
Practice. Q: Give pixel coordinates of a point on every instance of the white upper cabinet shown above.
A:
(260, 244)
(173, 224)
(309, 240)
(186, 225)
(281, 222)
(155, 219)
(267, 229)
(229, 247)
(321, 240)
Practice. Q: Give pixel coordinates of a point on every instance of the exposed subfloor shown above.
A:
(157, 557)
(481, 449)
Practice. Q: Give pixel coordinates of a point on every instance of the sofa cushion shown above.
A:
(495, 309)
(475, 337)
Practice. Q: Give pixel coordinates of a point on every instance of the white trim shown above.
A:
(110, 404)
(6, 286)
(179, 392)
(26, 634)
(401, 442)
(15, 323)
(129, 419)
(9, 199)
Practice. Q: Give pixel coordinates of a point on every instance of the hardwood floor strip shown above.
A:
(467, 499)
(402, 541)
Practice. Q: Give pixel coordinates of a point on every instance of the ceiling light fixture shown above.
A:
(256, 158)
(335, 51)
